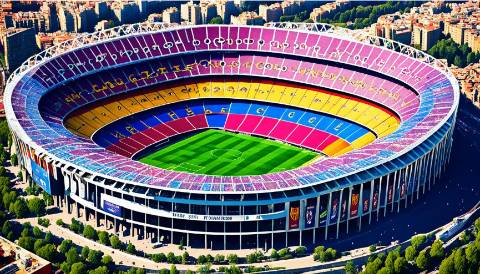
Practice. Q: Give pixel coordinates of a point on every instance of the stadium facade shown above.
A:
(380, 113)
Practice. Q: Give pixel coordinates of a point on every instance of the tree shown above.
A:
(65, 246)
(103, 238)
(78, 268)
(99, 270)
(20, 175)
(6, 228)
(350, 268)
(131, 248)
(3, 171)
(201, 259)
(185, 257)
(159, 258)
(274, 254)
(26, 242)
(38, 244)
(115, 242)
(410, 253)
(72, 256)
(173, 269)
(460, 261)
(89, 232)
(59, 222)
(9, 198)
(14, 159)
(417, 240)
(437, 250)
(94, 257)
(85, 251)
(232, 259)
(422, 260)
(37, 233)
(49, 237)
(48, 252)
(216, 20)
(447, 266)
(300, 251)
(171, 259)
(107, 260)
(400, 265)
(20, 208)
(47, 198)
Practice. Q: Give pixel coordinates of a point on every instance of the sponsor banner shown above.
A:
(354, 205)
(41, 177)
(334, 210)
(366, 204)
(390, 194)
(344, 209)
(112, 208)
(310, 216)
(186, 216)
(375, 200)
(323, 210)
(402, 190)
(294, 217)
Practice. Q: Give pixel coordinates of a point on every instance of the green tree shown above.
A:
(84, 252)
(48, 252)
(437, 250)
(232, 259)
(99, 270)
(447, 266)
(78, 268)
(103, 238)
(59, 222)
(350, 268)
(49, 237)
(9, 198)
(274, 254)
(171, 259)
(72, 256)
(115, 242)
(417, 240)
(410, 253)
(26, 242)
(131, 248)
(3, 171)
(159, 258)
(37, 233)
(6, 228)
(94, 257)
(90, 233)
(201, 259)
(422, 260)
(65, 246)
(14, 159)
(460, 261)
(185, 257)
(400, 265)
(107, 260)
(38, 244)
(20, 208)
(173, 269)
(36, 206)
(300, 251)
(20, 175)
(216, 20)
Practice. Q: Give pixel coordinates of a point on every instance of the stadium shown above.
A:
(232, 137)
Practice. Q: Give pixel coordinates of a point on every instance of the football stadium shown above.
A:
(232, 137)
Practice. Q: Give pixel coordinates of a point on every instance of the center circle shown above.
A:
(227, 154)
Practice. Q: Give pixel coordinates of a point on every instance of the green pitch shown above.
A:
(217, 152)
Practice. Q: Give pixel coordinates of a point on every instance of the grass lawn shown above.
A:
(217, 152)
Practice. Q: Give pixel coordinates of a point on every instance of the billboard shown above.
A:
(354, 205)
(310, 216)
(334, 210)
(112, 208)
(41, 177)
(294, 217)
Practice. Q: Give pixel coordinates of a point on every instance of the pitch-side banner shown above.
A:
(354, 205)
(294, 217)
(310, 216)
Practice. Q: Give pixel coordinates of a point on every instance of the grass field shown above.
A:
(217, 152)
